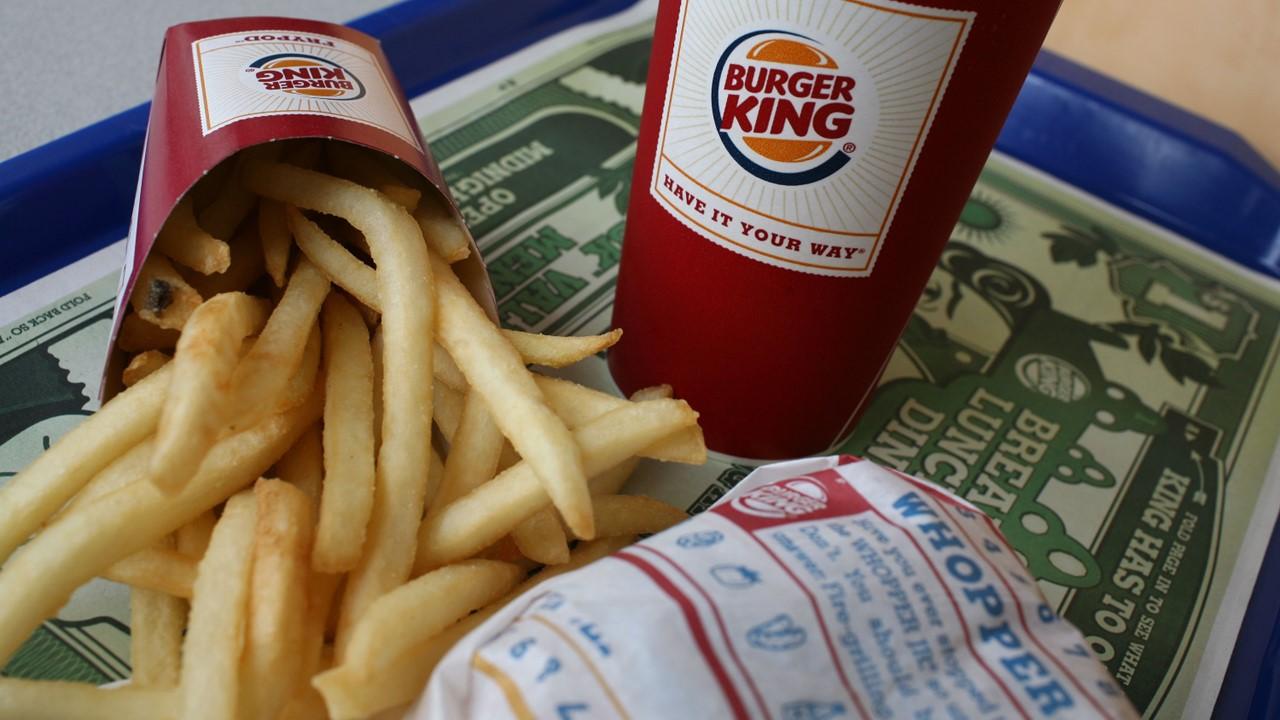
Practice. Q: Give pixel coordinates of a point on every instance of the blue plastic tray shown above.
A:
(1130, 149)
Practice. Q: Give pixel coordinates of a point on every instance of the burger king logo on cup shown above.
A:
(789, 130)
(787, 499)
(307, 75)
(783, 107)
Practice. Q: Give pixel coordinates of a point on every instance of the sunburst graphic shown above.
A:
(986, 219)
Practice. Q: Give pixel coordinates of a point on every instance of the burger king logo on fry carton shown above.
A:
(790, 129)
(792, 498)
(783, 108)
(262, 73)
(301, 74)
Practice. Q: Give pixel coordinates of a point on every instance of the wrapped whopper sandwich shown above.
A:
(820, 588)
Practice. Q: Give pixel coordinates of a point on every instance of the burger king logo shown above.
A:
(787, 499)
(783, 107)
(789, 130)
(304, 75)
(267, 72)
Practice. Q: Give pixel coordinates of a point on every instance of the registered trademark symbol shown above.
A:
(850, 147)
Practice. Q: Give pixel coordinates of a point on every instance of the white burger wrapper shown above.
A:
(815, 589)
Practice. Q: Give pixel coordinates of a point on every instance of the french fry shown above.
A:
(246, 266)
(578, 404)
(371, 317)
(349, 695)
(508, 457)
(278, 593)
(435, 474)
(611, 481)
(447, 371)
(548, 350)
(305, 702)
(340, 547)
(262, 376)
(584, 554)
(210, 184)
(479, 518)
(359, 165)
(156, 622)
(320, 596)
(234, 202)
(232, 205)
(303, 380)
(448, 404)
(81, 544)
(215, 635)
(204, 363)
(193, 538)
(54, 700)
(405, 284)
(336, 262)
(356, 277)
(184, 242)
(496, 371)
(346, 499)
(377, 345)
(142, 365)
(505, 550)
(120, 472)
(163, 570)
(352, 274)
(557, 351)
(433, 602)
(541, 538)
(138, 335)
(421, 608)
(273, 230)
(303, 153)
(446, 238)
(653, 392)
(635, 515)
(36, 493)
(303, 465)
(161, 295)
(473, 452)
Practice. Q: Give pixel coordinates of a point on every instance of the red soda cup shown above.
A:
(799, 169)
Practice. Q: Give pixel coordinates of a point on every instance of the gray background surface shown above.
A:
(65, 64)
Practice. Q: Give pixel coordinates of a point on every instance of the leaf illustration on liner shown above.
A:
(616, 182)
(620, 200)
(606, 185)
(1080, 246)
(1187, 366)
(1155, 339)
(957, 292)
(1147, 346)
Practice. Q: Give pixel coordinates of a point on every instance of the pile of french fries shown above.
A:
(327, 464)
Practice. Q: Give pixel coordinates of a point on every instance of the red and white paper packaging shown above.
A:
(227, 85)
(815, 589)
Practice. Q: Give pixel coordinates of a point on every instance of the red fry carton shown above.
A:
(227, 85)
